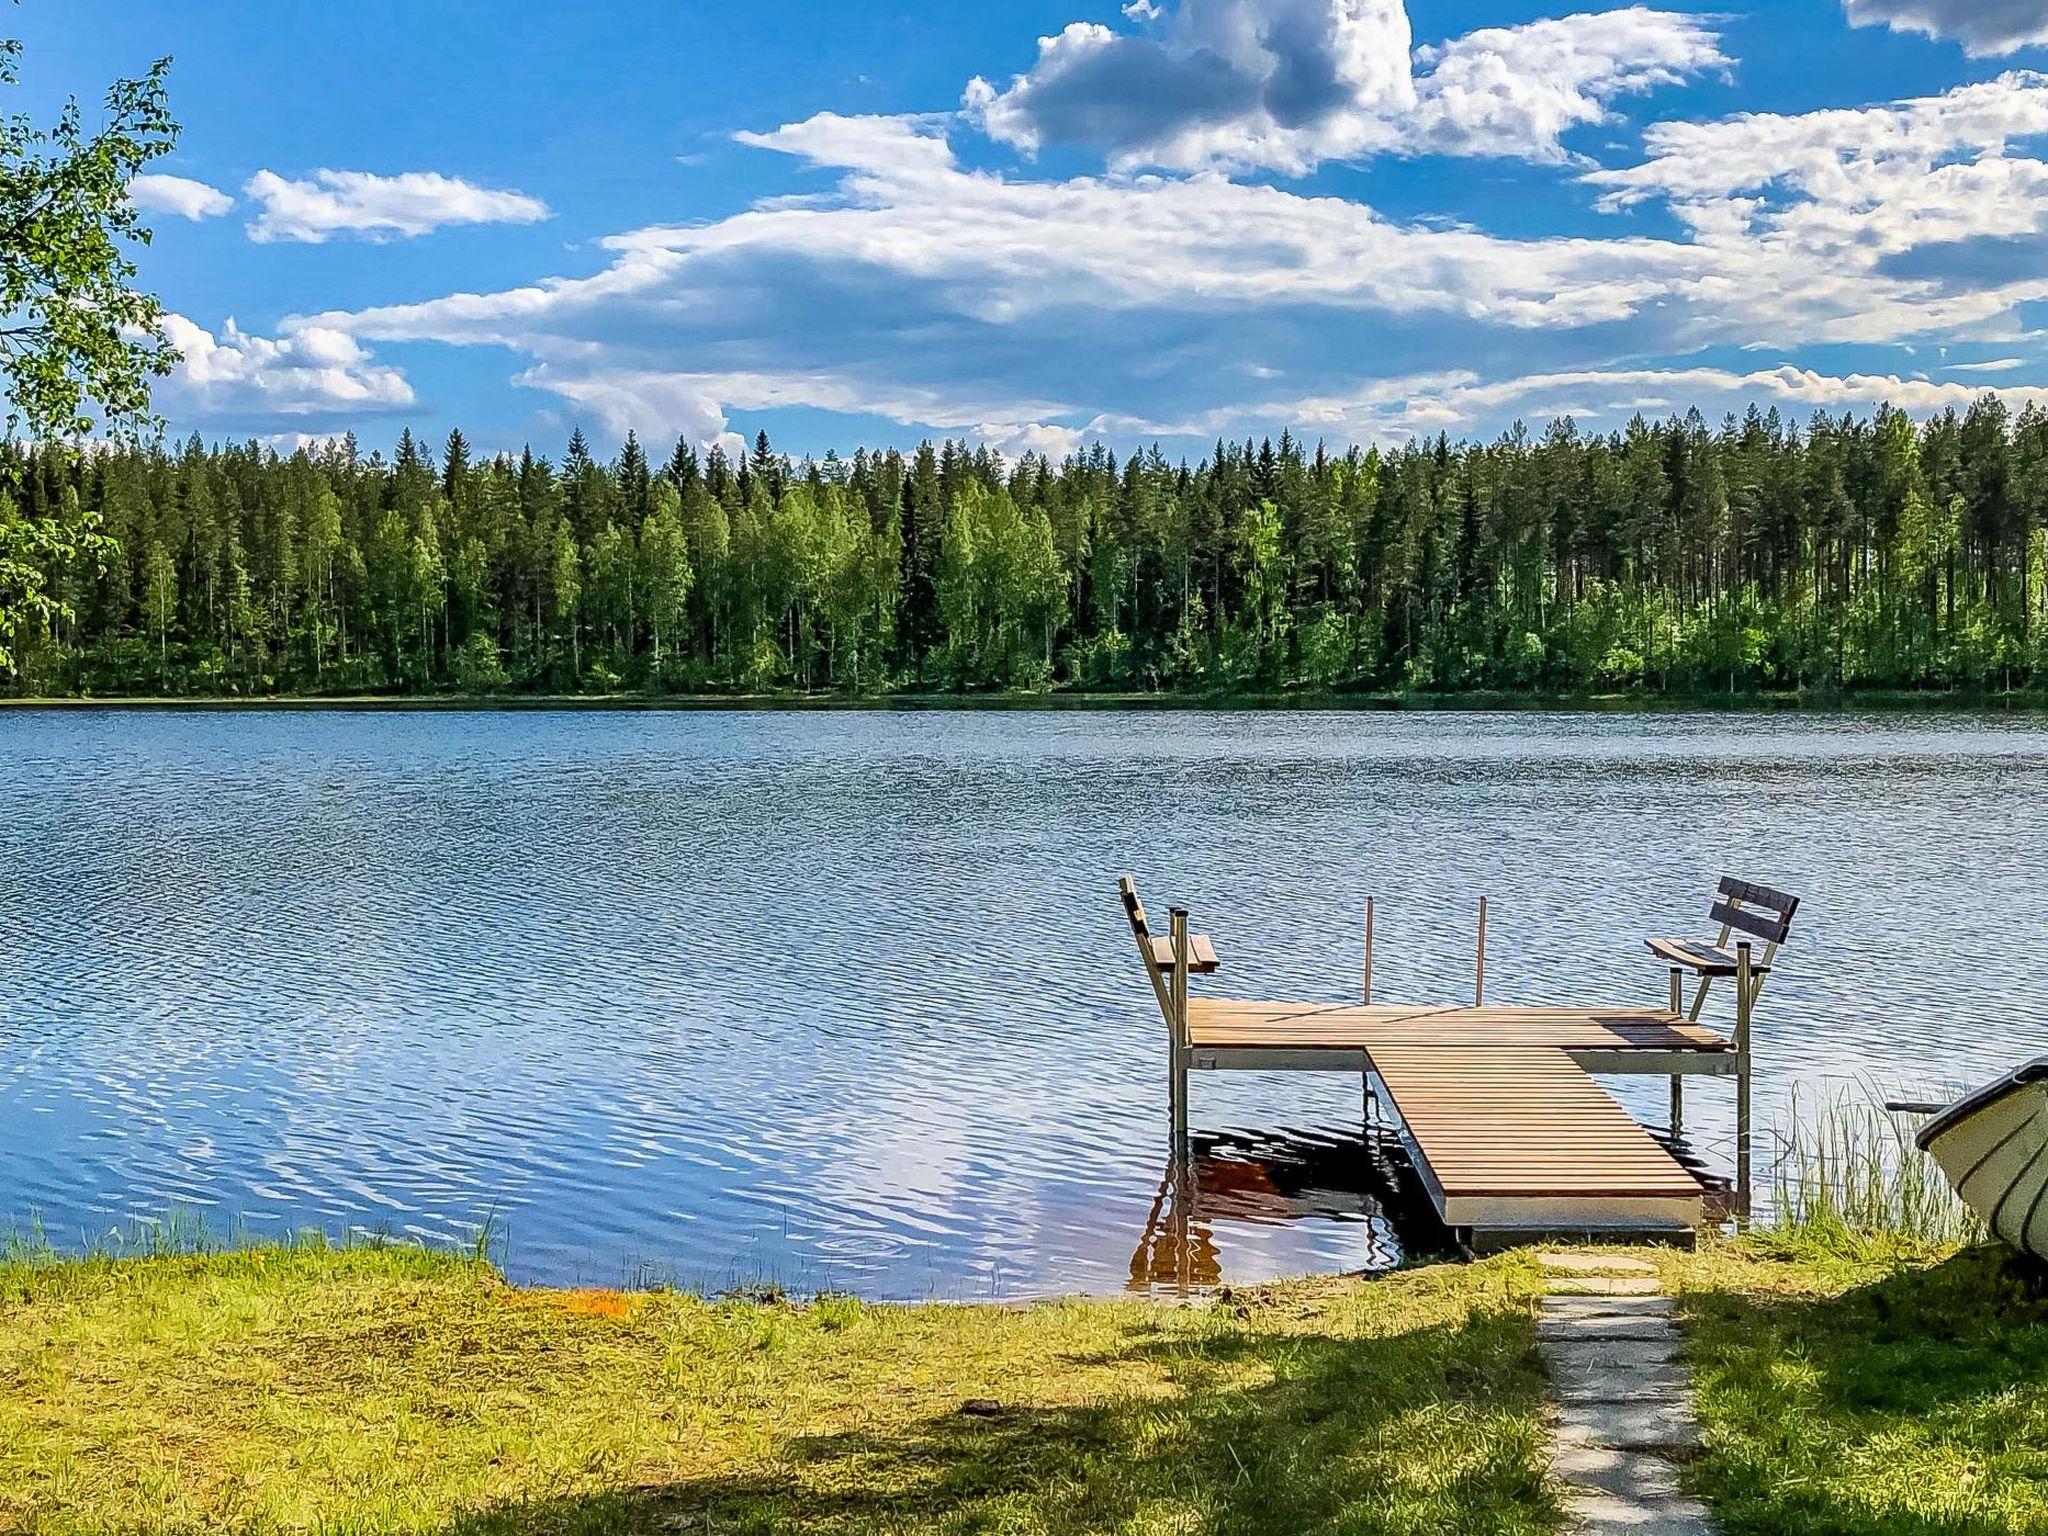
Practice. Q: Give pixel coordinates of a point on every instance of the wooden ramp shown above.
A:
(1512, 1144)
(1508, 1131)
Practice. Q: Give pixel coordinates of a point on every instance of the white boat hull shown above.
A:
(1993, 1145)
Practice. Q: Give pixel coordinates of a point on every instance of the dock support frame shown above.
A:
(1178, 1036)
(1745, 996)
(1677, 1082)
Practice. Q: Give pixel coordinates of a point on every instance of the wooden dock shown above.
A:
(1496, 1106)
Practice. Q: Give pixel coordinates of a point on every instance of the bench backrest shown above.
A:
(1134, 909)
(1134, 913)
(1753, 909)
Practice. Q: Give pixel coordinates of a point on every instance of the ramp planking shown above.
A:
(1509, 1132)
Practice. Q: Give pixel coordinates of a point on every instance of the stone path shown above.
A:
(1624, 1401)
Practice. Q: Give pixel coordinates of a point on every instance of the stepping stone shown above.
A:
(1580, 1382)
(1618, 1474)
(1615, 1328)
(1636, 1426)
(1592, 1264)
(1596, 1514)
(1606, 1306)
(1607, 1285)
(1624, 1357)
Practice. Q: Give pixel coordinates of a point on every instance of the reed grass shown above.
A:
(1847, 1170)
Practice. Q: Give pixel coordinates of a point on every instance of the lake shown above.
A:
(844, 1000)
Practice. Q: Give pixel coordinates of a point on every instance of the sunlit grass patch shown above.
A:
(391, 1389)
(1870, 1385)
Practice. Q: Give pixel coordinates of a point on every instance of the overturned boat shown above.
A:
(1993, 1145)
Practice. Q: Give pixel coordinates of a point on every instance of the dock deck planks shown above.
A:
(1505, 1125)
(1230, 1024)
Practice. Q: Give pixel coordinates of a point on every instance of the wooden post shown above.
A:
(1677, 1082)
(1699, 998)
(1179, 931)
(1742, 1002)
(1365, 993)
(1479, 962)
(1368, 950)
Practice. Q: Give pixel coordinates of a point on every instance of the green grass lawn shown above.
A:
(1869, 1386)
(1851, 1385)
(390, 1390)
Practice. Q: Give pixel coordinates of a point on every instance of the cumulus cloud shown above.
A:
(1915, 216)
(1400, 408)
(657, 403)
(1286, 84)
(312, 370)
(179, 195)
(1516, 91)
(1025, 311)
(356, 203)
(1032, 310)
(1983, 27)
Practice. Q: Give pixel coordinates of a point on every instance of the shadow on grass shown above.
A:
(1258, 1431)
(1914, 1405)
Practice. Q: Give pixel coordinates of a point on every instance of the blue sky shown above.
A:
(1038, 224)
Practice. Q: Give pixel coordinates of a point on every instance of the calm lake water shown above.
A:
(845, 1000)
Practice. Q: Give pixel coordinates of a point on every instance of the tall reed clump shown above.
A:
(1847, 1169)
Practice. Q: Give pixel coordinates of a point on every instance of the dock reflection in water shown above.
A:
(1246, 1202)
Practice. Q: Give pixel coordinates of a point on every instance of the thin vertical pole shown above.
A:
(1742, 1002)
(1677, 1082)
(1479, 962)
(1365, 1077)
(1368, 950)
(1179, 931)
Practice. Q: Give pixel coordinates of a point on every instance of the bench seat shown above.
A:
(1201, 953)
(1704, 958)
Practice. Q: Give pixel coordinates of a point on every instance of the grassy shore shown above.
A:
(1847, 1383)
(1881, 1387)
(390, 1390)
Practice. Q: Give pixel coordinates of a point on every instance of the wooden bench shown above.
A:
(1739, 906)
(1168, 973)
(1202, 959)
(1756, 912)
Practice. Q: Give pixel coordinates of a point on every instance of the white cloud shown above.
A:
(1995, 365)
(660, 403)
(1015, 439)
(179, 195)
(333, 203)
(1031, 311)
(289, 443)
(904, 292)
(1839, 154)
(1286, 84)
(1982, 26)
(1516, 91)
(1861, 224)
(1396, 409)
(312, 370)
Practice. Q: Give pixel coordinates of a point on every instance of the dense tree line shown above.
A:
(1673, 556)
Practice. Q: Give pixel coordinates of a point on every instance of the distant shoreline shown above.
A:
(1876, 700)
